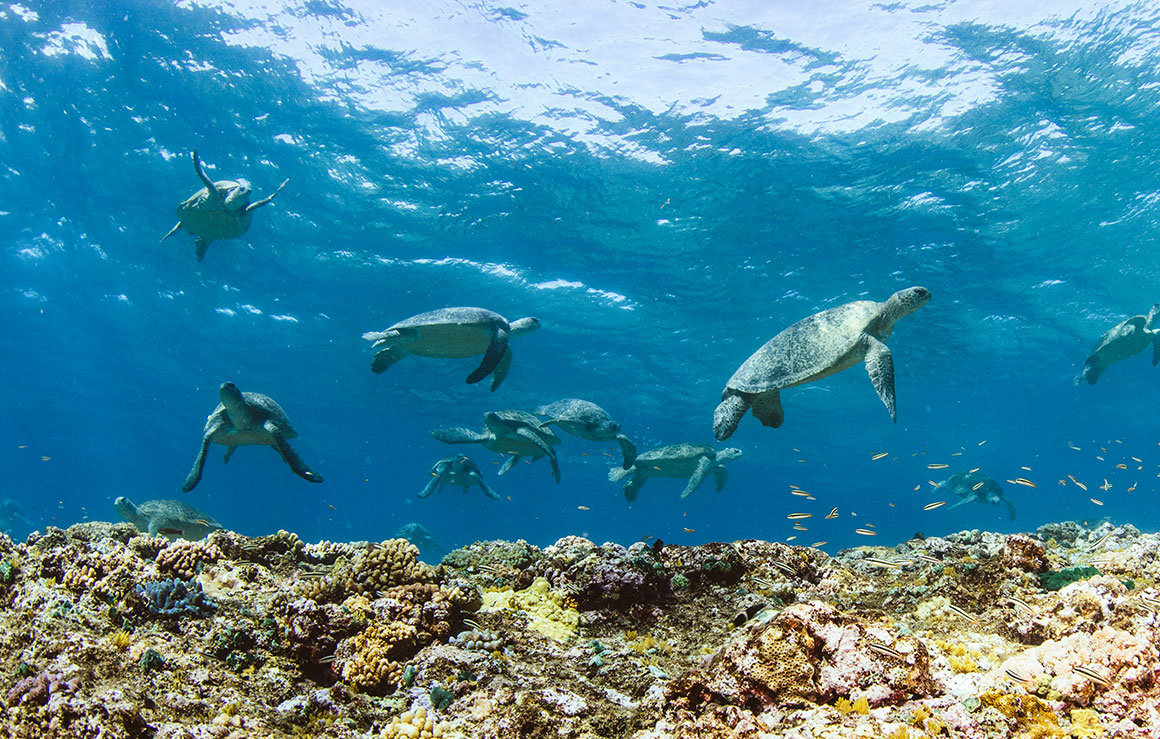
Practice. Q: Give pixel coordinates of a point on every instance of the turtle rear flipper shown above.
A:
(628, 449)
(880, 367)
(501, 369)
(767, 408)
(721, 476)
(491, 358)
(386, 358)
(229, 453)
(1010, 509)
(458, 435)
(202, 244)
(266, 200)
(511, 462)
(964, 501)
(728, 414)
(171, 232)
(632, 487)
(1156, 349)
(698, 476)
(194, 476)
(291, 457)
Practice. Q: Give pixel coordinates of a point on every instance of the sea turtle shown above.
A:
(588, 421)
(694, 461)
(975, 487)
(248, 418)
(452, 332)
(220, 210)
(1126, 339)
(169, 518)
(417, 534)
(459, 471)
(815, 347)
(513, 432)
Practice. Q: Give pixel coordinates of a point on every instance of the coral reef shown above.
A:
(113, 634)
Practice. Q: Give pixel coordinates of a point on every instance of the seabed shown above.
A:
(109, 633)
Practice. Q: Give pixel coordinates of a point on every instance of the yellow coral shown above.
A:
(415, 724)
(545, 607)
(1033, 715)
(1085, 723)
(843, 706)
(963, 664)
(862, 706)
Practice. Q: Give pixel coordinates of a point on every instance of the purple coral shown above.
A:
(37, 689)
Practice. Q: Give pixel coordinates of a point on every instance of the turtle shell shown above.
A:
(451, 332)
(210, 219)
(678, 460)
(263, 408)
(514, 419)
(818, 345)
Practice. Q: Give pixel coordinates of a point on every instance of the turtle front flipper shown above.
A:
(202, 244)
(296, 463)
(1010, 508)
(266, 200)
(633, 485)
(386, 358)
(501, 369)
(511, 462)
(627, 448)
(202, 176)
(721, 475)
(478, 479)
(194, 476)
(491, 358)
(171, 232)
(531, 436)
(458, 435)
(728, 414)
(436, 482)
(698, 476)
(880, 367)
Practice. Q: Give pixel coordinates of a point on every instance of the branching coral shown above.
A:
(174, 598)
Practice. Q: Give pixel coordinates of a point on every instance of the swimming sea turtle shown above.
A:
(815, 347)
(694, 461)
(452, 332)
(242, 419)
(517, 433)
(975, 487)
(1126, 339)
(588, 421)
(417, 534)
(459, 471)
(220, 210)
(169, 518)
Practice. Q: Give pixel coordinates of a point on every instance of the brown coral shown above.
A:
(185, 559)
(1021, 552)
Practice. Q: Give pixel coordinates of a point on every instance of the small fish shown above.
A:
(1137, 459)
(748, 613)
(658, 469)
(795, 487)
(312, 575)
(879, 562)
(978, 485)
(790, 538)
(1132, 488)
(956, 454)
(646, 539)
(1097, 501)
(1106, 486)
(933, 484)
(1073, 446)
(22, 446)
(1024, 482)
(1092, 675)
(937, 466)
(471, 624)
(328, 659)
(879, 455)
(959, 611)
(328, 505)
(819, 543)
(917, 487)
(1099, 458)
(1149, 603)
(833, 513)
(929, 559)
(689, 531)
(885, 650)
(1021, 605)
(796, 516)
(762, 582)
(981, 443)
(46, 459)
(583, 508)
(1015, 676)
(783, 567)
(202, 522)
(1100, 541)
(973, 471)
(865, 532)
(1023, 467)
(799, 492)
(607, 454)
(798, 527)
(1104, 561)
(1121, 466)
(169, 531)
(932, 506)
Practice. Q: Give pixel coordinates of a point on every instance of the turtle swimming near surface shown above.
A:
(242, 419)
(459, 471)
(513, 432)
(169, 518)
(452, 333)
(694, 461)
(220, 210)
(975, 487)
(815, 347)
(588, 421)
(1126, 339)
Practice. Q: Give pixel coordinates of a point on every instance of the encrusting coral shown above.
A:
(111, 634)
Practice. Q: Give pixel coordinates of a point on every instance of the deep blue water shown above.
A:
(665, 186)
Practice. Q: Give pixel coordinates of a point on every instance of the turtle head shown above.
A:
(235, 405)
(125, 508)
(524, 326)
(236, 195)
(905, 302)
(493, 420)
(728, 454)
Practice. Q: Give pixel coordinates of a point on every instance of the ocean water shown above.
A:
(664, 185)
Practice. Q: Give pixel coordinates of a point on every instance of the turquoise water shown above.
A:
(665, 186)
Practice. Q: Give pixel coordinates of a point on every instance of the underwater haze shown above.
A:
(665, 186)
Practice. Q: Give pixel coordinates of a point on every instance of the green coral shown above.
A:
(680, 582)
(1059, 579)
